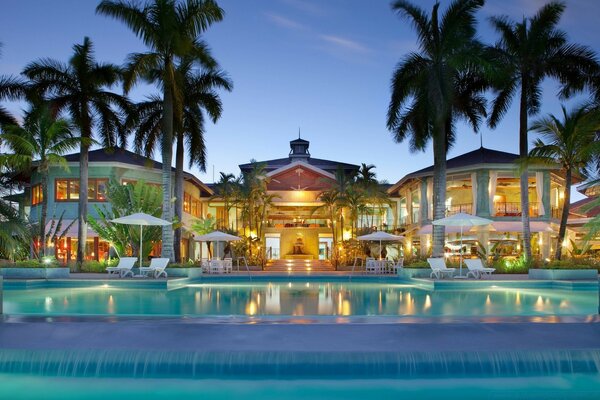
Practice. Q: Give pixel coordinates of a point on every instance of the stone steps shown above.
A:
(299, 266)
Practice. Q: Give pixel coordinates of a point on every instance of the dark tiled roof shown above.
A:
(584, 208)
(117, 155)
(479, 156)
(326, 165)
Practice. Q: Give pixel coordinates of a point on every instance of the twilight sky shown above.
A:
(321, 66)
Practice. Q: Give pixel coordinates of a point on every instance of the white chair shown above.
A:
(373, 266)
(205, 265)
(397, 266)
(227, 265)
(156, 268)
(476, 268)
(123, 268)
(439, 269)
(216, 267)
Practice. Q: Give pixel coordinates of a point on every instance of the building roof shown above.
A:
(327, 165)
(583, 208)
(481, 155)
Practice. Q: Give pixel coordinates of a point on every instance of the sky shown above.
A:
(319, 67)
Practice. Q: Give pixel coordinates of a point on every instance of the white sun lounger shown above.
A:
(156, 268)
(439, 269)
(123, 268)
(476, 268)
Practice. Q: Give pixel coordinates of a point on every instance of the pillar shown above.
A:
(546, 196)
(424, 250)
(545, 246)
(483, 193)
(423, 203)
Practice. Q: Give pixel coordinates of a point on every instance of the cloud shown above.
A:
(284, 22)
(344, 44)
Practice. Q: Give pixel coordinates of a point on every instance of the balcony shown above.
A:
(466, 208)
(513, 209)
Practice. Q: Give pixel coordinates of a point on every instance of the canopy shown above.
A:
(462, 220)
(217, 236)
(381, 237)
(141, 219)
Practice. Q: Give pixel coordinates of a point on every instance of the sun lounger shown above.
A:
(439, 269)
(476, 268)
(123, 268)
(156, 268)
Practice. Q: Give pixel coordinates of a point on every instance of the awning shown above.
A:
(71, 232)
(498, 226)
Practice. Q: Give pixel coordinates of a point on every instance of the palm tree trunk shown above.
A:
(42, 250)
(167, 159)
(439, 191)
(523, 153)
(562, 230)
(83, 198)
(178, 195)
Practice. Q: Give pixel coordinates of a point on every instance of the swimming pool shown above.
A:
(298, 298)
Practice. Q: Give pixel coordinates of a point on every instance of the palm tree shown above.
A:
(170, 29)
(331, 205)
(42, 140)
(527, 52)
(198, 94)
(79, 88)
(570, 142)
(14, 232)
(11, 88)
(437, 85)
(226, 191)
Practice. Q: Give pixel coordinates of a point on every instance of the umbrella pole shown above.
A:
(460, 250)
(141, 233)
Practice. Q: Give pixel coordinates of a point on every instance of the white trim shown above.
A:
(303, 165)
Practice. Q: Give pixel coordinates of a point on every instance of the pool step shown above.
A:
(299, 266)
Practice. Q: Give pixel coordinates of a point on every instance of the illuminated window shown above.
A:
(37, 195)
(187, 202)
(68, 189)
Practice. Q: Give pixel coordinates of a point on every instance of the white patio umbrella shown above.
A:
(141, 219)
(381, 237)
(217, 236)
(462, 220)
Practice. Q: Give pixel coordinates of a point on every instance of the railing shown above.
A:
(466, 208)
(556, 212)
(513, 209)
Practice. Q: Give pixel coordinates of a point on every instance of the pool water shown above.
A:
(554, 387)
(299, 298)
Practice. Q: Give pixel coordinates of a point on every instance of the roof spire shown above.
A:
(298, 132)
(481, 139)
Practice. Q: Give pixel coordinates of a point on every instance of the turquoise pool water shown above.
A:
(300, 299)
(557, 387)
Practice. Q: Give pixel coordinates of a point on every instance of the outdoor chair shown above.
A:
(476, 268)
(216, 267)
(156, 268)
(394, 268)
(439, 269)
(123, 268)
(227, 265)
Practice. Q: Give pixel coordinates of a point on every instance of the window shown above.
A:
(37, 195)
(68, 189)
(187, 200)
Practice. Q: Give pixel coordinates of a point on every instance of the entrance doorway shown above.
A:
(273, 244)
(325, 245)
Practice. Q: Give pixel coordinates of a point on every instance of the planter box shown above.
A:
(35, 273)
(563, 274)
(409, 273)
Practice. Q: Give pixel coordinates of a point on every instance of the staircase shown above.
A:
(299, 266)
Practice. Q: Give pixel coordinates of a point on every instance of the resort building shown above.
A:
(485, 183)
(581, 213)
(118, 165)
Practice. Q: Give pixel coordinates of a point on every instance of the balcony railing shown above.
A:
(557, 212)
(466, 208)
(513, 209)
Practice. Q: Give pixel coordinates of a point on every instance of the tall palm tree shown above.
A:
(170, 29)
(14, 232)
(80, 89)
(435, 86)
(42, 140)
(526, 53)
(11, 88)
(199, 97)
(226, 191)
(570, 142)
